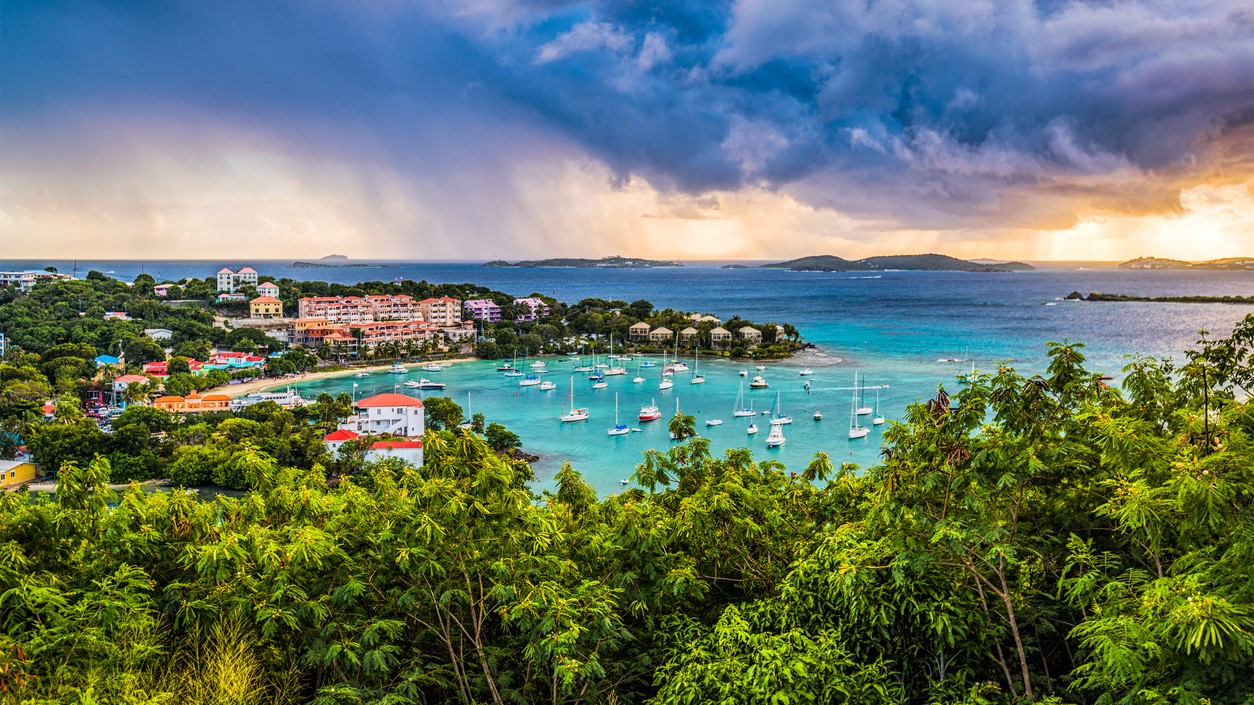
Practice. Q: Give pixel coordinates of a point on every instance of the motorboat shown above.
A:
(397, 369)
(359, 375)
(753, 428)
(713, 422)
(431, 367)
(759, 368)
(775, 438)
(758, 383)
(424, 383)
(744, 372)
(547, 386)
(805, 372)
(650, 412)
(818, 414)
(539, 365)
(505, 367)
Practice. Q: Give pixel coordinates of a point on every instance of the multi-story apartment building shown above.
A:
(444, 312)
(483, 310)
(538, 309)
(229, 281)
(360, 309)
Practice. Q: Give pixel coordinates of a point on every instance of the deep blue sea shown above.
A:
(890, 327)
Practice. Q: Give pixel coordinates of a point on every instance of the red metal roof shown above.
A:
(390, 445)
(388, 400)
(342, 435)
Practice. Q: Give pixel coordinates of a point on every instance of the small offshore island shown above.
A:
(927, 262)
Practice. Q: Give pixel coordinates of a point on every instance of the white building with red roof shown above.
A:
(384, 415)
(229, 281)
(268, 289)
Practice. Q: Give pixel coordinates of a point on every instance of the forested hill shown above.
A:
(930, 262)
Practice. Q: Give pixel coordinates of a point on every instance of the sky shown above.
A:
(747, 129)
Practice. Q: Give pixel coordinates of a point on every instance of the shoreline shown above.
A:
(261, 385)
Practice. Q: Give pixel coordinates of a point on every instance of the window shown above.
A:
(12, 474)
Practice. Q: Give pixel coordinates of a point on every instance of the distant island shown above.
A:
(329, 262)
(614, 262)
(328, 258)
(928, 262)
(1099, 296)
(1160, 263)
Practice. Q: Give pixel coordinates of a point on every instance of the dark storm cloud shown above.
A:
(933, 114)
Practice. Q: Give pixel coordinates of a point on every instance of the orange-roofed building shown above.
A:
(264, 307)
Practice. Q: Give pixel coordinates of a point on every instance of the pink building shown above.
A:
(359, 309)
(483, 310)
(538, 309)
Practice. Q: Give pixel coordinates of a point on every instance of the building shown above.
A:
(264, 307)
(229, 297)
(483, 310)
(110, 361)
(720, 336)
(26, 279)
(688, 334)
(2, 345)
(159, 333)
(360, 309)
(268, 289)
(336, 439)
(661, 334)
(117, 316)
(161, 368)
(639, 331)
(162, 290)
(193, 403)
(408, 451)
(121, 383)
(384, 414)
(750, 334)
(17, 472)
(230, 281)
(536, 308)
(443, 312)
(234, 361)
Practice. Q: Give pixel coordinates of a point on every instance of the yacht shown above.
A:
(697, 377)
(665, 384)
(775, 438)
(818, 414)
(778, 417)
(573, 414)
(807, 371)
(856, 429)
(758, 383)
(744, 372)
(547, 386)
(397, 369)
(431, 367)
(424, 383)
(650, 412)
(753, 428)
(539, 365)
(857, 393)
(505, 367)
(713, 422)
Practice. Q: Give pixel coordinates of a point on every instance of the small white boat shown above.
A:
(818, 415)
(547, 386)
(805, 372)
(775, 438)
(753, 428)
(758, 383)
(679, 367)
(740, 410)
(538, 365)
(397, 369)
(431, 367)
(665, 384)
(877, 419)
(713, 422)
(698, 379)
(744, 372)
(574, 414)
(513, 373)
(600, 385)
(529, 381)
(759, 368)
(638, 380)
(359, 375)
(505, 366)
(424, 383)
(622, 481)
(648, 363)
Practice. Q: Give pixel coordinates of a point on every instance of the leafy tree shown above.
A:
(442, 413)
(501, 439)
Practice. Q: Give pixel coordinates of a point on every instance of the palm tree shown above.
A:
(137, 392)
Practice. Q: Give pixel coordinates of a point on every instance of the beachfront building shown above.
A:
(17, 472)
(264, 307)
(639, 331)
(688, 334)
(442, 312)
(360, 309)
(193, 403)
(720, 336)
(536, 308)
(268, 289)
(230, 281)
(661, 334)
(483, 310)
(749, 334)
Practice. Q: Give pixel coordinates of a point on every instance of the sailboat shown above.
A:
(697, 377)
(969, 377)
(740, 410)
(618, 429)
(582, 367)
(676, 365)
(856, 429)
(470, 414)
(775, 438)
(778, 417)
(650, 412)
(614, 369)
(511, 368)
(666, 382)
(580, 414)
(877, 419)
(753, 428)
(529, 381)
(857, 393)
(637, 379)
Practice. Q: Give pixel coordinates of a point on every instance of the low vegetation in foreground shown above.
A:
(1044, 539)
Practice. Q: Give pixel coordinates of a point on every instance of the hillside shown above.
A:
(928, 262)
(1161, 263)
(614, 262)
(819, 263)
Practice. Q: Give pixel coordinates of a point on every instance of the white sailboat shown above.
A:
(580, 414)
(615, 369)
(470, 415)
(778, 417)
(857, 392)
(529, 381)
(666, 382)
(740, 410)
(877, 419)
(697, 377)
(618, 429)
(753, 428)
(856, 429)
(511, 369)
(676, 365)
(637, 379)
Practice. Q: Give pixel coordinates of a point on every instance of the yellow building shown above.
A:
(16, 472)
(265, 307)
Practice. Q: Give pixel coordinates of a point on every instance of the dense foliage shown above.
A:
(1028, 539)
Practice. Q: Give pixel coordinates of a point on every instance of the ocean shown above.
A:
(890, 327)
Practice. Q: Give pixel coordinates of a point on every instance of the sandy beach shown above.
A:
(261, 385)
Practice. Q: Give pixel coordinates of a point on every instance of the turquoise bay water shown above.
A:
(891, 327)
